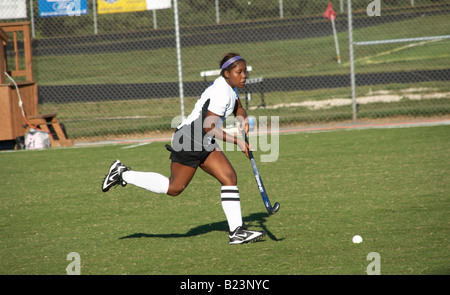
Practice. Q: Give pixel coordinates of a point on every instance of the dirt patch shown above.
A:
(383, 96)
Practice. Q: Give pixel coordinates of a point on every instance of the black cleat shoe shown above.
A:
(114, 177)
(242, 235)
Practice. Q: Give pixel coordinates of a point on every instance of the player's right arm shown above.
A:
(210, 127)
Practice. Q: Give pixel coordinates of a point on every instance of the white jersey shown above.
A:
(222, 101)
(219, 98)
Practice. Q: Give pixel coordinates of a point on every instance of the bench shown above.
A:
(251, 85)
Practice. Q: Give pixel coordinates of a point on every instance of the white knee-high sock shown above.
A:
(151, 181)
(231, 205)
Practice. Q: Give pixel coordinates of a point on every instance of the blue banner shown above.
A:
(62, 7)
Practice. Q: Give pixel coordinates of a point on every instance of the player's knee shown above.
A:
(175, 191)
(233, 179)
(230, 179)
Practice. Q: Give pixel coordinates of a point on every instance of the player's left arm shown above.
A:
(241, 114)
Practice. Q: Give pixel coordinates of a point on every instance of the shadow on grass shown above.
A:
(255, 220)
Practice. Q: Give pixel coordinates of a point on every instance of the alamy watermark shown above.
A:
(374, 267)
(74, 267)
(263, 136)
(374, 8)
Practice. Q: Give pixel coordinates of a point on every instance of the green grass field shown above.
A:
(391, 186)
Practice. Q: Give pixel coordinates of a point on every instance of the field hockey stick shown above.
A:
(262, 190)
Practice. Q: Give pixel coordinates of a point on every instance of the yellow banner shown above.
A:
(115, 6)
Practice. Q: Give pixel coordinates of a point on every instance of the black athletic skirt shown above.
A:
(188, 151)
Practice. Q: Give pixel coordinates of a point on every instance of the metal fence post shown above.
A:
(180, 69)
(352, 64)
(217, 12)
(94, 11)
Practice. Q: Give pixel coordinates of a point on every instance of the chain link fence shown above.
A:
(116, 73)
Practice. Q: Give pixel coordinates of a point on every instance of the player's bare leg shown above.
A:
(179, 179)
(219, 167)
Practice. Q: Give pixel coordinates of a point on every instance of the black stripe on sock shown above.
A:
(230, 199)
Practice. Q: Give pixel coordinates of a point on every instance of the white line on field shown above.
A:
(135, 145)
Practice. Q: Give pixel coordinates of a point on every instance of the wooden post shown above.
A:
(3, 67)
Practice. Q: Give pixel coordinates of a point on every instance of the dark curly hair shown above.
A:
(224, 60)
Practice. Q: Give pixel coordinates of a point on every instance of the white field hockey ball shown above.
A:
(357, 239)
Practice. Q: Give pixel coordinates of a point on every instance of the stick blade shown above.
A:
(275, 208)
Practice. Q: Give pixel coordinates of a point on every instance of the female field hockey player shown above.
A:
(193, 146)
